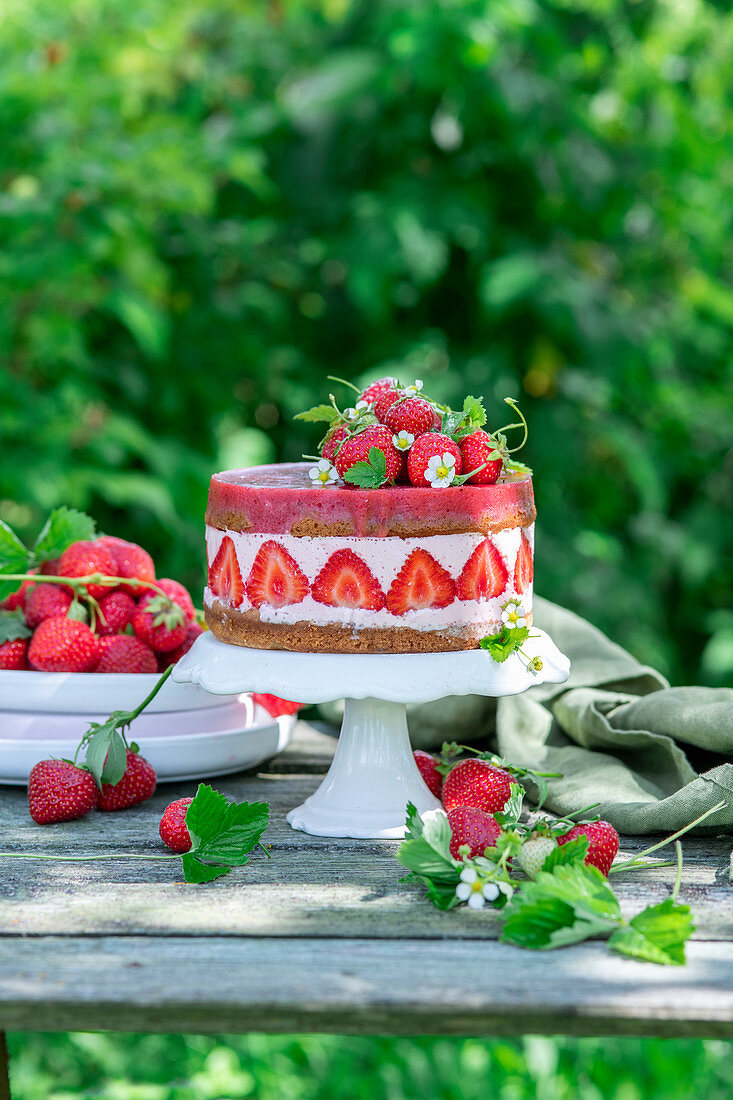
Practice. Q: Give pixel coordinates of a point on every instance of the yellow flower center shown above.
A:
(477, 886)
(443, 471)
(323, 476)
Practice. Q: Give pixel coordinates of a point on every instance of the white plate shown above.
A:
(181, 745)
(98, 692)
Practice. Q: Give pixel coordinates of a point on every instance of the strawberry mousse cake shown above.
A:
(400, 569)
(413, 532)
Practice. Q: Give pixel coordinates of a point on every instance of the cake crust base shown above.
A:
(246, 628)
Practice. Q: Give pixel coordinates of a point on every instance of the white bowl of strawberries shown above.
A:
(89, 630)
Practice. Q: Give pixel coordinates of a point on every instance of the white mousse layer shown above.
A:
(384, 557)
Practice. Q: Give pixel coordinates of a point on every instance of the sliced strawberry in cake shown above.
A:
(275, 577)
(420, 583)
(524, 566)
(347, 581)
(484, 575)
(225, 578)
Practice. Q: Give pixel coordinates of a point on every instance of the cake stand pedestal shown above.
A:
(373, 774)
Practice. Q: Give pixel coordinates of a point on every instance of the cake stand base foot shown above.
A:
(371, 779)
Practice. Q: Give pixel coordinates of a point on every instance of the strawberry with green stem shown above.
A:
(222, 833)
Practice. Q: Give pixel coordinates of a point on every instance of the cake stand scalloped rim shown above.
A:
(224, 669)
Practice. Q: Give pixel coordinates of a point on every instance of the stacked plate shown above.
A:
(185, 732)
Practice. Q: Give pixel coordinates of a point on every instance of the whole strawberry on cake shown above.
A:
(411, 531)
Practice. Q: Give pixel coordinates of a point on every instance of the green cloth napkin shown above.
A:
(655, 757)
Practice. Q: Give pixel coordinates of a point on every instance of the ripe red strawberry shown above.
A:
(473, 827)
(44, 601)
(63, 645)
(484, 575)
(477, 783)
(374, 389)
(275, 577)
(160, 623)
(357, 447)
(346, 581)
(427, 766)
(17, 599)
(59, 791)
(50, 568)
(414, 415)
(117, 611)
(332, 441)
(180, 595)
(475, 449)
(523, 567)
(137, 785)
(131, 561)
(14, 654)
(173, 831)
(423, 449)
(85, 557)
(225, 577)
(192, 632)
(384, 400)
(274, 705)
(602, 843)
(125, 653)
(421, 582)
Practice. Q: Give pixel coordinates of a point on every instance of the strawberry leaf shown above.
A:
(507, 641)
(317, 414)
(13, 626)
(657, 934)
(222, 833)
(106, 750)
(63, 526)
(370, 474)
(563, 906)
(14, 557)
(197, 872)
(574, 851)
(509, 816)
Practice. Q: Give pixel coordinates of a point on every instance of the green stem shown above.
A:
(680, 832)
(264, 849)
(678, 879)
(83, 582)
(149, 698)
(332, 378)
(640, 865)
(83, 859)
(510, 450)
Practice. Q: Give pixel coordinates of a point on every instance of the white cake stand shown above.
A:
(373, 774)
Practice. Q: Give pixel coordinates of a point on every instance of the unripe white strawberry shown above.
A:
(534, 852)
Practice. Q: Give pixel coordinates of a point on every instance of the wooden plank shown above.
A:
(351, 893)
(360, 987)
(4, 1069)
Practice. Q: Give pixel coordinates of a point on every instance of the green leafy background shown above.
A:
(207, 207)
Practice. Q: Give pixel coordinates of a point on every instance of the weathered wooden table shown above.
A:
(321, 937)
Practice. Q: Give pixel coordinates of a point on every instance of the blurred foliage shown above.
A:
(325, 1067)
(207, 207)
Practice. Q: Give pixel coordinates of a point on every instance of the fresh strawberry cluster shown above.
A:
(396, 434)
(139, 624)
(59, 790)
(473, 791)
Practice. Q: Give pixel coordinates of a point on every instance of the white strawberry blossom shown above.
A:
(414, 389)
(403, 440)
(474, 890)
(441, 470)
(323, 473)
(352, 412)
(513, 615)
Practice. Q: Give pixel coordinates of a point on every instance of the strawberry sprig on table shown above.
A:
(88, 603)
(397, 434)
(464, 853)
(210, 833)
